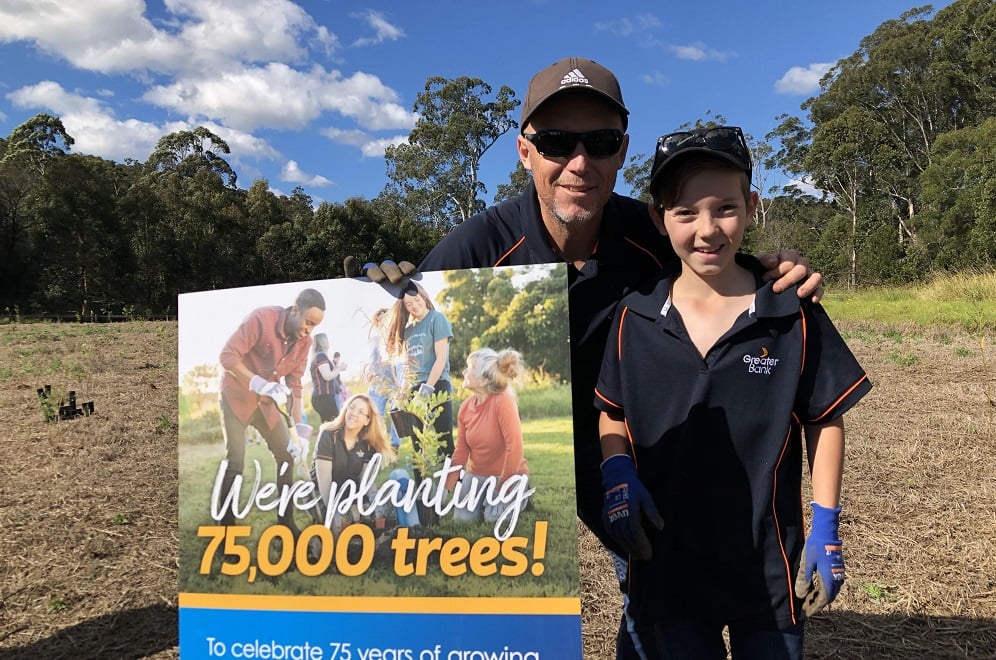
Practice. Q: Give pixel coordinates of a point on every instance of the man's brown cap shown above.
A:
(572, 74)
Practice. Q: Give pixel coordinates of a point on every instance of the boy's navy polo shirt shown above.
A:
(630, 251)
(718, 443)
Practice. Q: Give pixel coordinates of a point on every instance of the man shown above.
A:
(264, 361)
(573, 141)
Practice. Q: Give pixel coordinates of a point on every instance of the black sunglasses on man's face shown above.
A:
(558, 144)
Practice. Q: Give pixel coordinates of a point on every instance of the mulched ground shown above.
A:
(88, 507)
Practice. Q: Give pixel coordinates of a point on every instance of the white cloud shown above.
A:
(278, 96)
(97, 131)
(247, 30)
(354, 138)
(233, 66)
(102, 35)
(657, 79)
(115, 35)
(698, 52)
(806, 186)
(383, 30)
(291, 173)
(93, 127)
(244, 146)
(376, 148)
(370, 148)
(626, 26)
(802, 80)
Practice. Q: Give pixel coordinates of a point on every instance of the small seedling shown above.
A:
(894, 335)
(877, 591)
(903, 359)
(56, 604)
(120, 519)
(49, 409)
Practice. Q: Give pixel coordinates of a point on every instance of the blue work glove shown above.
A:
(822, 554)
(626, 504)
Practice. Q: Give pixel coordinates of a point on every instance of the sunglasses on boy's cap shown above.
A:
(558, 144)
(572, 74)
(724, 142)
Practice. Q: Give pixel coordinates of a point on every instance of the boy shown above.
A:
(714, 420)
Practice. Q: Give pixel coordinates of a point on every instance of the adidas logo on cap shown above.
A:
(568, 75)
(574, 77)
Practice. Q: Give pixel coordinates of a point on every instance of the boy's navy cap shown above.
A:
(567, 75)
(670, 160)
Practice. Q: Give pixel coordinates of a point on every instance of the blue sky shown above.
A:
(309, 93)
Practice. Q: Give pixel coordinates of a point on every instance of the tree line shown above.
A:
(899, 142)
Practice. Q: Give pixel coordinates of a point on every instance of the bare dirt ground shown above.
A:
(88, 507)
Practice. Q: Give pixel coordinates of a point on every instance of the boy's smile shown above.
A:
(707, 222)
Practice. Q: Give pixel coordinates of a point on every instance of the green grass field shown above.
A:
(967, 300)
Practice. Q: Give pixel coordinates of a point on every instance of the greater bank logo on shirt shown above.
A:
(760, 364)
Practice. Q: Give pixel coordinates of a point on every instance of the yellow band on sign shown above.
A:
(398, 605)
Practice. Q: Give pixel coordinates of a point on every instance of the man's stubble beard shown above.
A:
(577, 217)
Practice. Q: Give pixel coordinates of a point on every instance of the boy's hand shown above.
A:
(788, 267)
(822, 553)
(627, 502)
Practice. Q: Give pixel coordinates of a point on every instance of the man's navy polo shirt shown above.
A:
(718, 442)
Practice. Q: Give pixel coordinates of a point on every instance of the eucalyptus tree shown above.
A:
(636, 174)
(82, 255)
(35, 143)
(26, 155)
(435, 172)
(959, 190)
(518, 181)
(915, 78)
(203, 231)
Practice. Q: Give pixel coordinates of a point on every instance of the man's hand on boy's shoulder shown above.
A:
(788, 267)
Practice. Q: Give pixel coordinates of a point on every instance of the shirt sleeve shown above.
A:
(608, 389)
(832, 381)
(441, 327)
(247, 335)
(323, 448)
(324, 366)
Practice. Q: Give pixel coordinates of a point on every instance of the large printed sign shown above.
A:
(335, 506)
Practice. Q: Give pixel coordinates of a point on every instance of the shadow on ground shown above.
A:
(844, 634)
(152, 631)
(127, 635)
